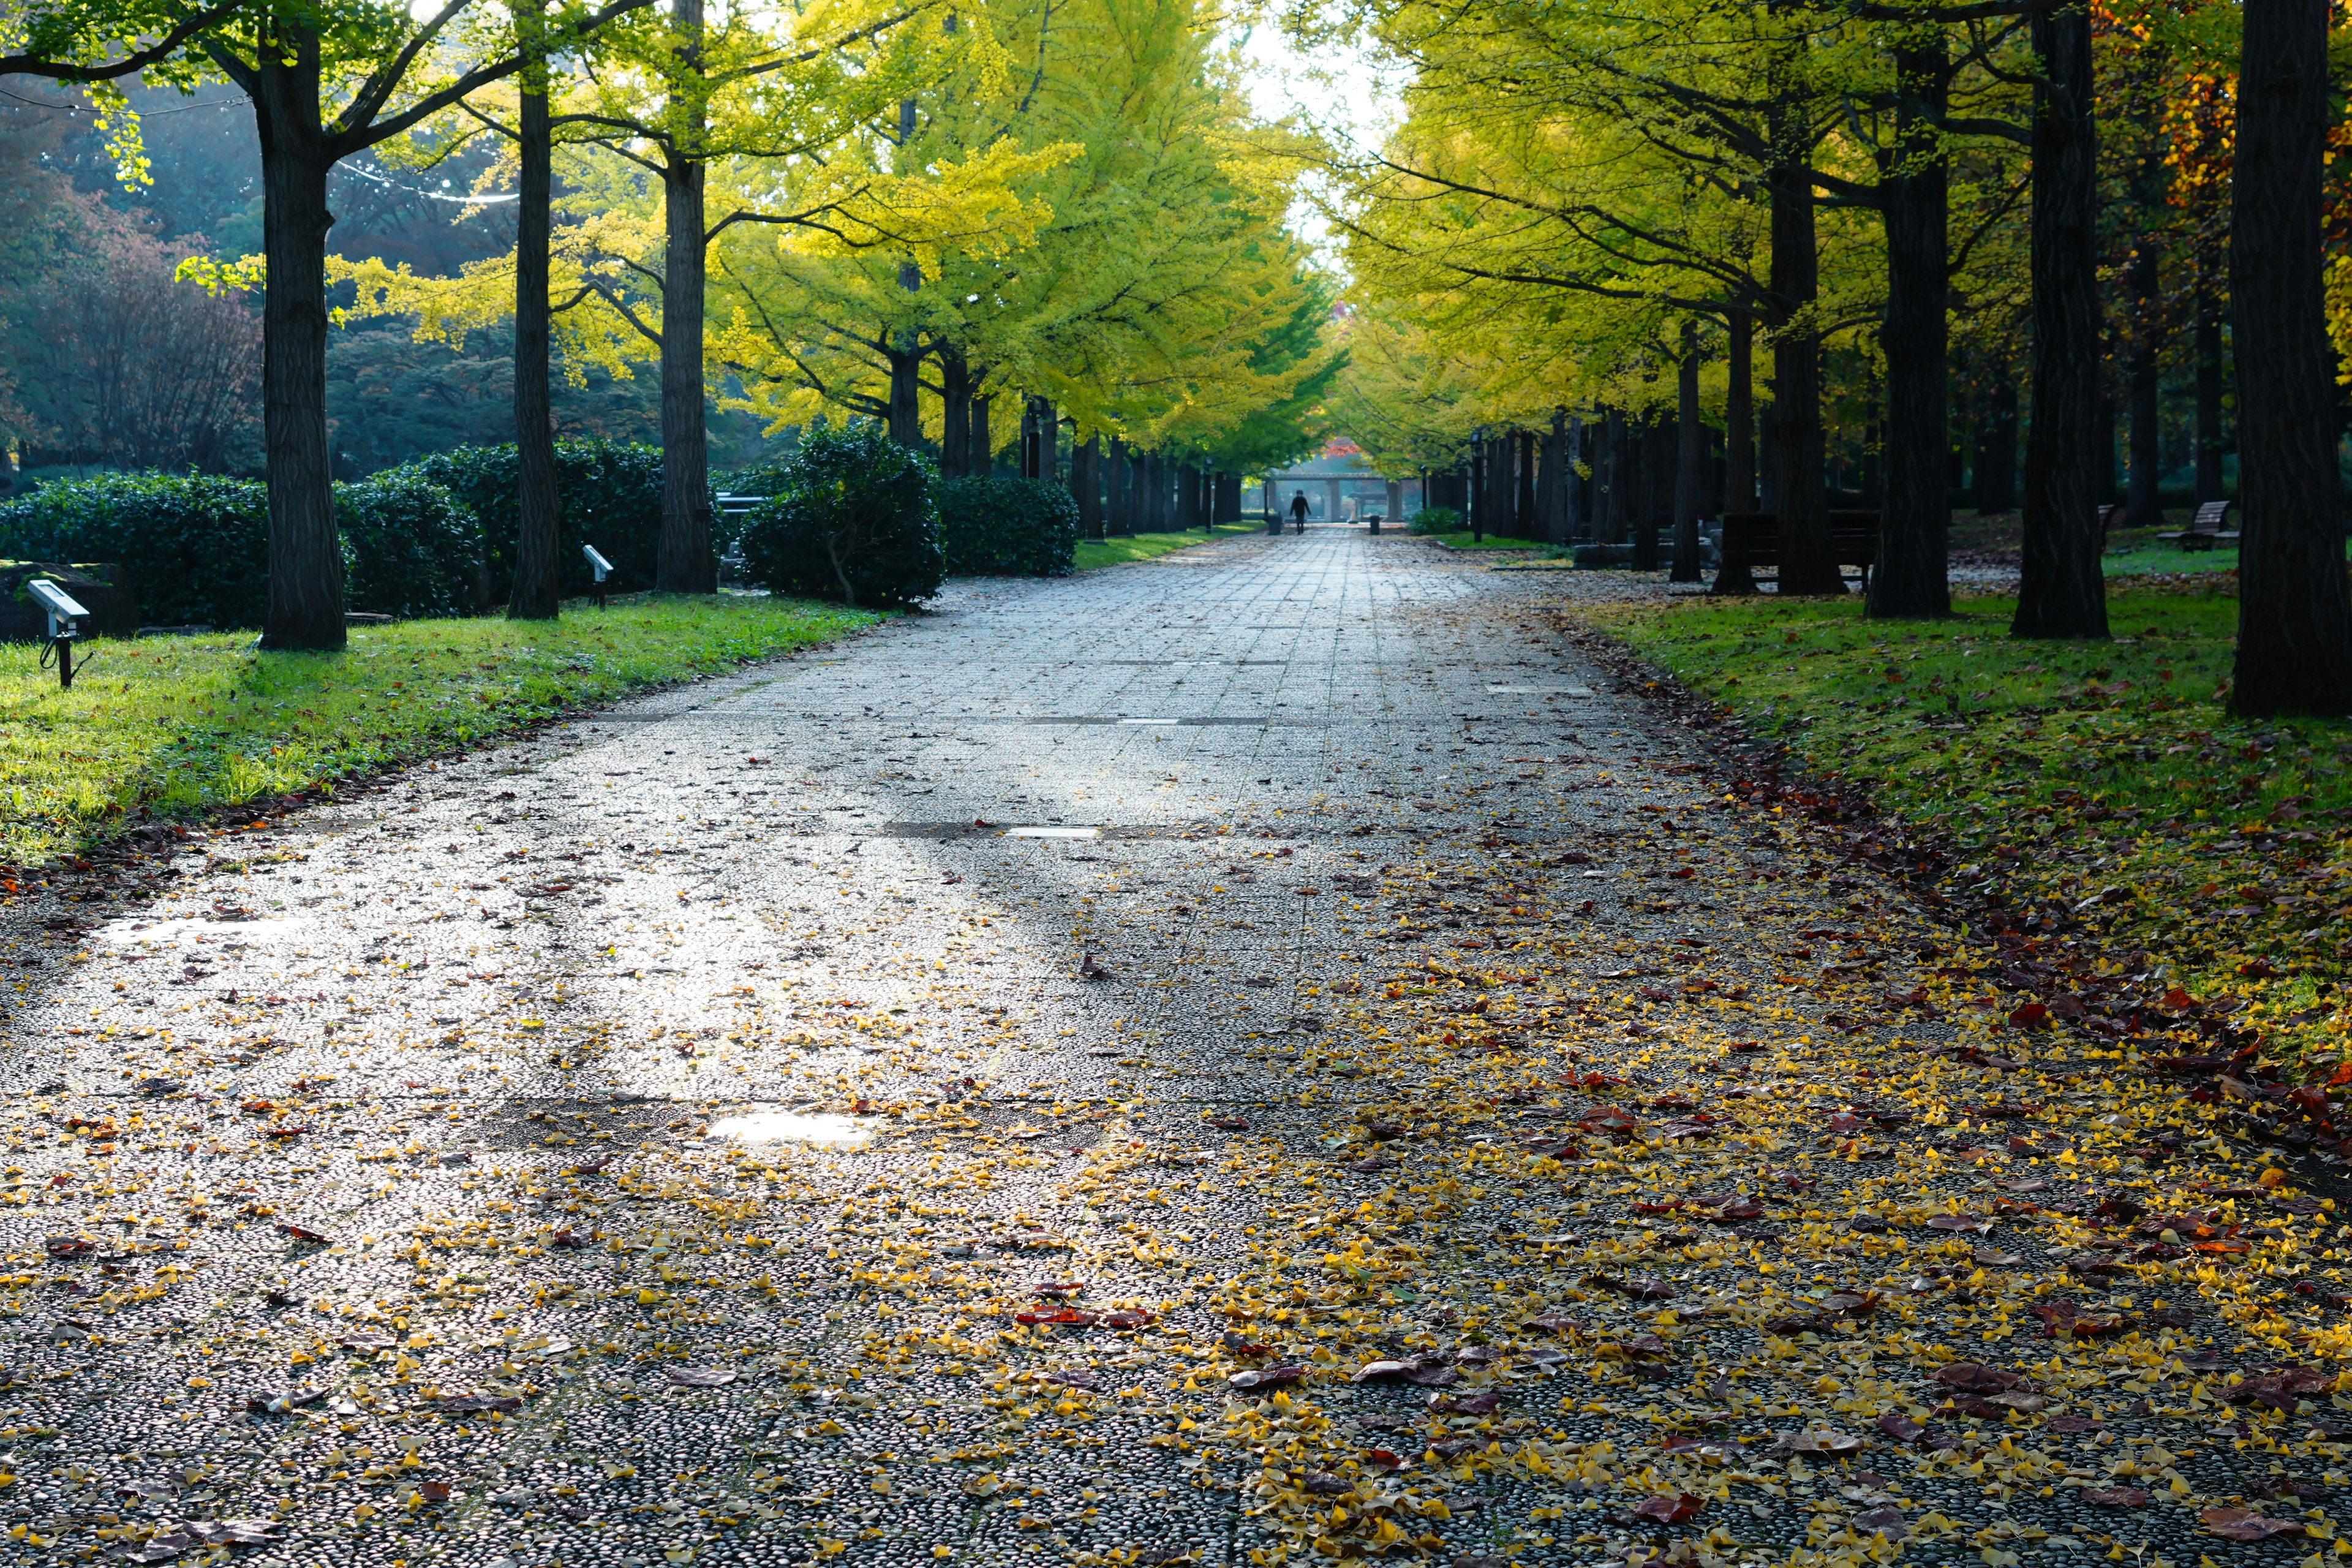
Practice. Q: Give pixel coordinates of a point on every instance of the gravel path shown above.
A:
(1446, 1122)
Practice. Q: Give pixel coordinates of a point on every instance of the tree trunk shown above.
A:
(1526, 522)
(1551, 488)
(1575, 502)
(1739, 417)
(981, 460)
(1657, 460)
(1690, 459)
(683, 563)
(1049, 442)
(1228, 499)
(905, 357)
(955, 412)
(1478, 488)
(1155, 492)
(306, 555)
(1188, 498)
(1086, 484)
(2295, 607)
(2143, 505)
(2209, 438)
(1808, 563)
(2060, 593)
(538, 580)
(1116, 517)
(1767, 460)
(1916, 522)
(1611, 513)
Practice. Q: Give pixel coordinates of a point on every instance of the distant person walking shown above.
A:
(1298, 511)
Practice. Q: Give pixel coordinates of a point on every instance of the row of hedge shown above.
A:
(849, 514)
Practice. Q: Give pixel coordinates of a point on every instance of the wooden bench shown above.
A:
(2205, 529)
(1752, 539)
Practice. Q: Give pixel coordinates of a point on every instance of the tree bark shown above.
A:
(2294, 605)
(2209, 438)
(1610, 513)
(1690, 459)
(955, 412)
(1575, 489)
(1115, 490)
(1155, 504)
(1085, 471)
(1551, 485)
(1739, 417)
(306, 556)
(537, 593)
(1525, 522)
(2060, 593)
(2143, 505)
(1478, 488)
(683, 563)
(905, 357)
(1914, 530)
(1808, 562)
(1188, 498)
(1657, 464)
(981, 460)
(1049, 442)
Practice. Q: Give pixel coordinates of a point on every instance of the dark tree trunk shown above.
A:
(1617, 497)
(1156, 492)
(1085, 483)
(905, 357)
(1996, 485)
(2143, 506)
(981, 460)
(2060, 593)
(1188, 498)
(683, 563)
(1739, 417)
(1768, 459)
(955, 412)
(2294, 608)
(1049, 442)
(1690, 460)
(1115, 490)
(1552, 488)
(538, 589)
(306, 556)
(1032, 466)
(1576, 501)
(1526, 523)
(1478, 488)
(1229, 499)
(2209, 438)
(1808, 563)
(1658, 461)
(1915, 526)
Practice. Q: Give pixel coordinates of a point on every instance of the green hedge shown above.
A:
(1008, 528)
(194, 548)
(611, 495)
(410, 548)
(853, 516)
(1435, 520)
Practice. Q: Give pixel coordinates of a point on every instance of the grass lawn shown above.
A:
(2102, 782)
(1094, 552)
(1463, 540)
(165, 726)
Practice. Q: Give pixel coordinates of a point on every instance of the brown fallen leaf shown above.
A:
(1640, 1290)
(1901, 1427)
(1971, 1378)
(1268, 1377)
(2245, 1524)
(2116, 1497)
(1669, 1509)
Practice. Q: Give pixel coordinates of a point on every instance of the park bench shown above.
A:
(1752, 539)
(2205, 529)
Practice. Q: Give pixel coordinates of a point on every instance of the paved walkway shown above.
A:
(673, 1139)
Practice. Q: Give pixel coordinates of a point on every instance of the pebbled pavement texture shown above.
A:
(1275, 1054)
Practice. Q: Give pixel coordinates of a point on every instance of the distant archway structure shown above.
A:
(1341, 486)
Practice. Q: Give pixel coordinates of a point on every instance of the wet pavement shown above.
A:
(989, 1089)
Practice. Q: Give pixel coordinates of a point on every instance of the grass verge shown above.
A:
(2094, 784)
(169, 726)
(1094, 552)
(1463, 540)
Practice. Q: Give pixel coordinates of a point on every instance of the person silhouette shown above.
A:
(1298, 511)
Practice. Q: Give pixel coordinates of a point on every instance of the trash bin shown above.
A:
(1273, 523)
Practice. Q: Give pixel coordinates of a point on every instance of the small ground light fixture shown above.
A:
(601, 567)
(64, 612)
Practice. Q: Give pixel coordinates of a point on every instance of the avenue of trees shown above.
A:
(1632, 265)
(1041, 226)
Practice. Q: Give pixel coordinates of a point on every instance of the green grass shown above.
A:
(2095, 782)
(1094, 552)
(168, 727)
(1463, 540)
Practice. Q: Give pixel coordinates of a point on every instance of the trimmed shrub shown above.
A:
(410, 548)
(194, 548)
(852, 517)
(1436, 519)
(1008, 528)
(611, 496)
